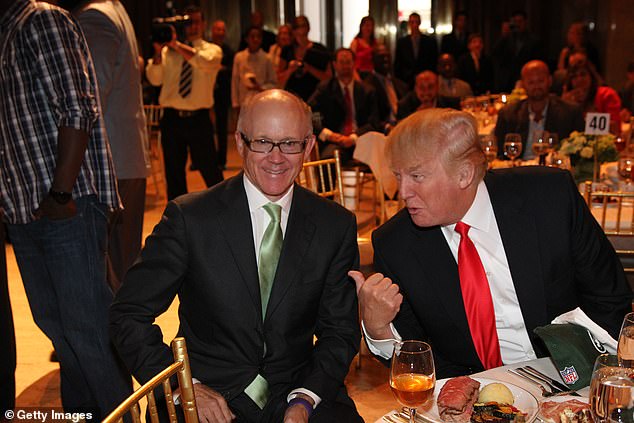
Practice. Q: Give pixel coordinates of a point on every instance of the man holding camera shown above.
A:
(187, 72)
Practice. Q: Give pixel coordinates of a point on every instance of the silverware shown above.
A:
(554, 385)
(554, 382)
(534, 381)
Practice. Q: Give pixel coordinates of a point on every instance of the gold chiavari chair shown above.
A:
(153, 114)
(614, 211)
(181, 368)
(323, 177)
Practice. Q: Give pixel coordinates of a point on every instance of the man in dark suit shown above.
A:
(222, 90)
(540, 111)
(259, 265)
(389, 89)
(415, 52)
(424, 96)
(347, 108)
(475, 67)
(455, 43)
(487, 240)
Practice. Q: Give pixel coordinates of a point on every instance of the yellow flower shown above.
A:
(586, 152)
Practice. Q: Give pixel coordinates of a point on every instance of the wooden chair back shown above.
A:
(181, 368)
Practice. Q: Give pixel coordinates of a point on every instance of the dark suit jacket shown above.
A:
(558, 256)
(562, 117)
(450, 43)
(481, 80)
(376, 81)
(406, 66)
(202, 251)
(410, 103)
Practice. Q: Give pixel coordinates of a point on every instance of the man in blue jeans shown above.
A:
(57, 185)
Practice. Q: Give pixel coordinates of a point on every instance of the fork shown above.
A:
(534, 381)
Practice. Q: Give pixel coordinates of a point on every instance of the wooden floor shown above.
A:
(37, 379)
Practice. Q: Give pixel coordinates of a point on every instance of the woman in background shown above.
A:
(284, 38)
(363, 45)
(582, 87)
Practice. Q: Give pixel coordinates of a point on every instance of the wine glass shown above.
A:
(553, 141)
(540, 146)
(625, 350)
(512, 146)
(625, 166)
(611, 388)
(490, 147)
(412, 375)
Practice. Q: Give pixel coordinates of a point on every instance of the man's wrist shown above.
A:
(303, 402)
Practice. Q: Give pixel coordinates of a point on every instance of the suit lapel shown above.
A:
(299, 234)
(440, 269)
(518, 231)
(237, 226)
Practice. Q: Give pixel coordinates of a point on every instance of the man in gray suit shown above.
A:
(114, 50)
(540, 111)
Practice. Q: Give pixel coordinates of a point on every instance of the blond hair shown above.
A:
(446, 134)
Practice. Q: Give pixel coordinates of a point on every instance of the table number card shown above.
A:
(597, 123)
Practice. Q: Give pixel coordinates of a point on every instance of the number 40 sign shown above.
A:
(597, 123)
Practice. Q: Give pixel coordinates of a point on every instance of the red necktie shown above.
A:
(347, 123)
(476, 295)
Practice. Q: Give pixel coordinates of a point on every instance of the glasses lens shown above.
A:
(291, 147)
(261, 146)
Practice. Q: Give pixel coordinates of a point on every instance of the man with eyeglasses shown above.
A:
(260, 267)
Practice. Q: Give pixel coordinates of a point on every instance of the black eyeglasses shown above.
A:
(262, 145)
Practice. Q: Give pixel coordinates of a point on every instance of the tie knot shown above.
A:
(462, 228)
(274, 211)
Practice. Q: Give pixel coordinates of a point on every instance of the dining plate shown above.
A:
(558, 399)
(524, 400)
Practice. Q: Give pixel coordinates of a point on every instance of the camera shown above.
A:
(162, 28)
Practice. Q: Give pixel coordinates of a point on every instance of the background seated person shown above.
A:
(485, 240)
(583, 88)
(538, 112)
(389, 89)
(448, 84)
(424, 96)
(259, 266)
(347, 108)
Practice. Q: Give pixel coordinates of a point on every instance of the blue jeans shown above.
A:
(62, 263)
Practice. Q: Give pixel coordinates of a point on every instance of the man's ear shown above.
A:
(466, 174)
(310, 143)
(239, 144)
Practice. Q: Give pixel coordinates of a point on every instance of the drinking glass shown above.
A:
(540, 146)
(619, 144)
(625, 350)
(412, 375)
(611, 388)
(553, 141)
(625, 166)
(513, 146)
(490, 147)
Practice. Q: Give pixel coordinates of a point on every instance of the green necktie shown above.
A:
(258, 389)
(270, 253)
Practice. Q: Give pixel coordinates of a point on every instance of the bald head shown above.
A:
(426, 88)
(276, 104)
(536, 80)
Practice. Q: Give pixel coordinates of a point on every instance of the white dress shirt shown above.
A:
(205, 66)
(259, 222)
(515, 345)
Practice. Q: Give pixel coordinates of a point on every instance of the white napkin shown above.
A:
(578, 317)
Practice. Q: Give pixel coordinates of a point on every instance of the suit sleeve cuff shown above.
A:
(177, 397)
(382, 347)
(304, 391)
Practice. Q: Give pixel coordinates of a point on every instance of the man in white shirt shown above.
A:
(260, 268)
(187, 74)
(252, 70)
(478, 259)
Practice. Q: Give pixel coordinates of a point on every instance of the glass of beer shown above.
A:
(611, 389)
(412, 375)
(625, 351)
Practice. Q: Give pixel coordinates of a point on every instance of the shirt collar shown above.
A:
(531, 114)
(480, 215)
(343, 86)
(257, 199)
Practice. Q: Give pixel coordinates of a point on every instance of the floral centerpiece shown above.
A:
(586, 152)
